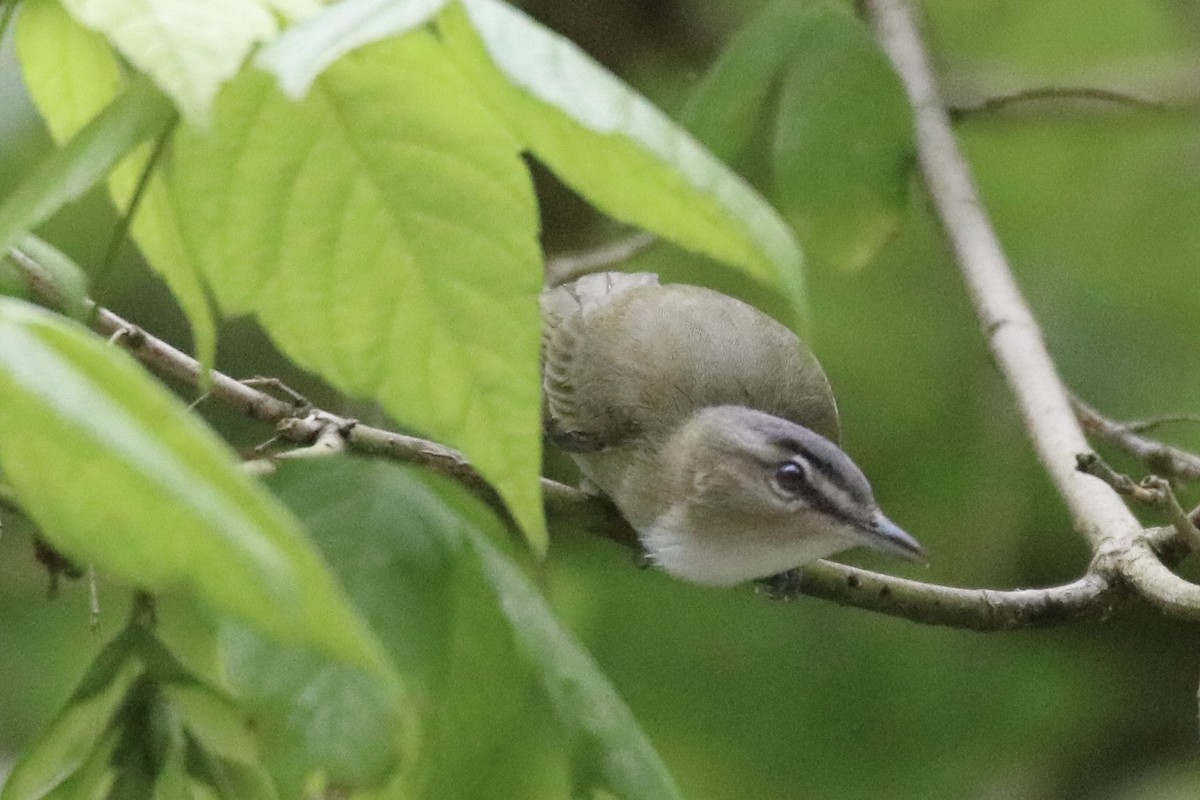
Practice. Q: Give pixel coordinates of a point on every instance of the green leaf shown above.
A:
(139, 717)
(138, 112)
(155, 228)
(71, 74)
(70, 71)
(304, 50)
(615, 748)
(384, 231)
(838, 125)
(223, 754)
(65, 747)
(843, 148)
(384, 535)
(733, 103)
(95, 777)
(473, 636)
(67, 277)
(116, 471)
(478, 696)
(189, 49)
(583, 698)
(216, 723)
(614, 147)
(291, 695)
(172, 781)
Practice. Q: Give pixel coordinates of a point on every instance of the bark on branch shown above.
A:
(1013, 334)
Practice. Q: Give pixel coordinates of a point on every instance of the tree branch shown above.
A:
(1162, 459)
(1090, 597)
(1012, 332)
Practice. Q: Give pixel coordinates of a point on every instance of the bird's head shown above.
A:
(752, 495)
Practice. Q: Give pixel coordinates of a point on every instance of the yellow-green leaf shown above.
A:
(116, 472)
(384, 231)
(616, 148)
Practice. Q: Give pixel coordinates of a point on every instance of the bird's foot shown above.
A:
(784, 586)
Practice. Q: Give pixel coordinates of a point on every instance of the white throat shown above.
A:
(718, 562)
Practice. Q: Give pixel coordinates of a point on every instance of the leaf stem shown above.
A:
(121, 231)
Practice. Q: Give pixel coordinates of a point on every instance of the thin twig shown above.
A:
(1012, 332)
(1179, 518)
(121, 231)
(1122, 484)
(1039, 95)
(331, 441)
(1163, 459)
(1151, 490)
(566, 268)
(299, 401)
(93, 599)
(1150, 423)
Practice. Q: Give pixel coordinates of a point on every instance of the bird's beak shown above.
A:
(883, 534)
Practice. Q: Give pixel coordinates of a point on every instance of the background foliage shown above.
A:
(1096, 205)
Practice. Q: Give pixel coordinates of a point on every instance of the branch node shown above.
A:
(129, 336)
(1172, 462)
(1151, 490)
(1094, 465)
(305, 429)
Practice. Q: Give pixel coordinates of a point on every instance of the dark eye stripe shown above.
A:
(819, 501)
(813, 496)
(816, 462)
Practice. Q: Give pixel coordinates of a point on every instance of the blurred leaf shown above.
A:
(156, 231)
(615, 148)
(843, 147)
(64, 275)
(172, 781)
(315, 714)
(398, 551)
(303, 51)
(140, 722)
(477, 698)
(70, 71)
(71, 74)
(68, 173)
(65, 746)
(95, 778)
(116, 472)
(217, 725)
(732, 103)
(384, 232)
(189, 49)
(400, 540)
(219, 753)
(294, 11)
(838, 125)
(575, 684)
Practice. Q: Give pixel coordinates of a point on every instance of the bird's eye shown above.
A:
(791, 477)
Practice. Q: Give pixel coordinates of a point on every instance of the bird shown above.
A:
(710, 426)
